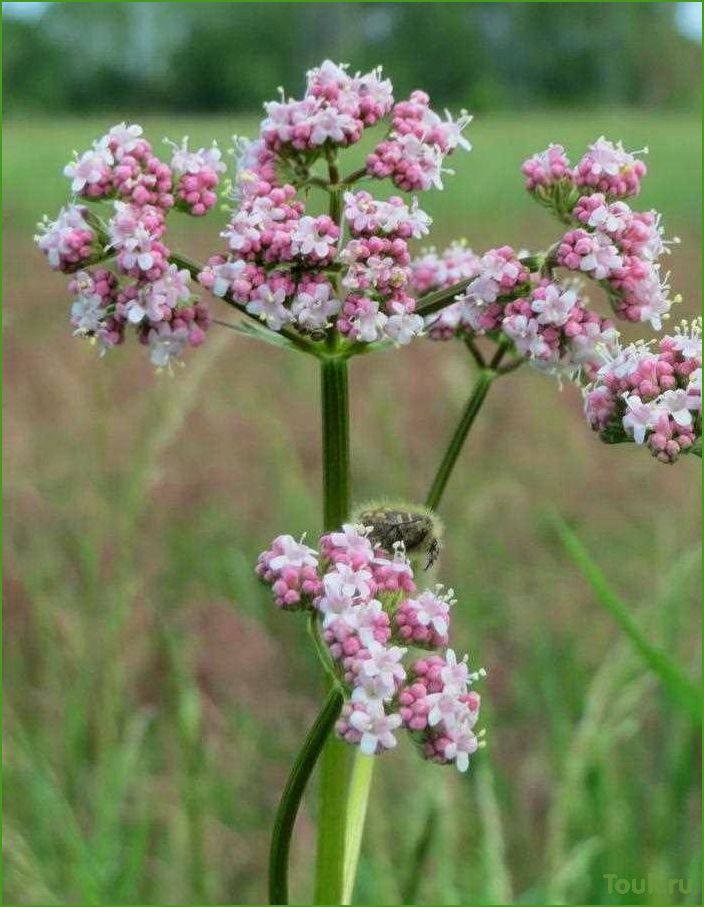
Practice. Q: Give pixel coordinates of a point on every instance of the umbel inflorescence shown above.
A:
(367, 614)
(534, 305)
(344, 273)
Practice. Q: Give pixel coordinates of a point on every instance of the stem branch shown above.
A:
(479, 392)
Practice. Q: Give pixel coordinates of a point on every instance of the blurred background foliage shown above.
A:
(211, 57)
(153, 697)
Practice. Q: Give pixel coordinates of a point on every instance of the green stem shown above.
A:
(474, 404)
(357, 800)
(335, 762)
(293, 793)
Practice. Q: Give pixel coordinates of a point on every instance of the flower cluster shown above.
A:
(312, 272)
(145, 289)
(606, 167)
(607, 240)
(412, 154)
(370, 613)
(651, 394)
(546, 322)
(518, 297)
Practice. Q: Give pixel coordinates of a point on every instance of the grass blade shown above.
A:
(683, 692)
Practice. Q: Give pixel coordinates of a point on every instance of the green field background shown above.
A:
(154, 698)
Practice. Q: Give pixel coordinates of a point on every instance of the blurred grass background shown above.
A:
(154, 699)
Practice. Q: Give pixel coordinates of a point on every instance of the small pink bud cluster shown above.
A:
(606, 167)
(546, 168)
(370, 613)
(412, 155)
(68, 241)
(651, 396)
(291, 569)
(145, 290)
(437, 705)
(197, 174)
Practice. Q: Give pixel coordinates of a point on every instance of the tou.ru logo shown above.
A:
(621, 885)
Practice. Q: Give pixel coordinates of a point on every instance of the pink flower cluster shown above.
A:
(546, 321)
(413, 153)
(144, 290)
(291, 268)
(69, 241)
(370, 612)
(279, 263)
(334, 111)
(433, 271)
(547, 168)
(606, 167)
(652, 396)
(620, 247)
(607, 241)
(497, 276)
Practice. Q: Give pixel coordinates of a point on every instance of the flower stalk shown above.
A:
(471, 410)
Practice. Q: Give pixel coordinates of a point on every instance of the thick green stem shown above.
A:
(474, 404)
(335, 762)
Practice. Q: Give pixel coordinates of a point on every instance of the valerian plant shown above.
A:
(342, 283)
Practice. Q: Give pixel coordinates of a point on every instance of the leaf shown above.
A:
(682, 691)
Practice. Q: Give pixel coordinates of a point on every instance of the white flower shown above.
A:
(313, 308)
(445, 707)
(166, 345)
(694, 391)
(54, 237)
(125, 138)
(455, 674)
(463, 742)
(641, 417)
(676, 403)
(225, 274)
(268, 304)
(609, 158)
(403, 327)
(687, 339)
(90, 167)
(87, 314)
(453, 130)
(307, 239)
(172, 287)
(185, 161)
(354, 540)
(610, 218)
(243, 230)
(376, 729)
(336, 603)
(428, 157)
(432, 610)
(525, 333)
(603, 259)
(555, 307)
(329, 123)
(349, 581)
(383, 662)
(370, 323)
(294, 554)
